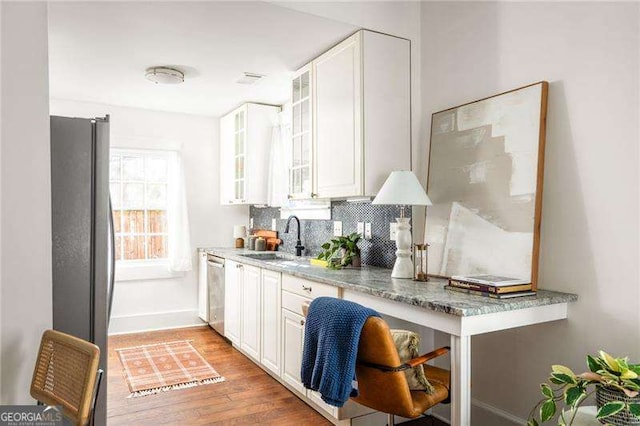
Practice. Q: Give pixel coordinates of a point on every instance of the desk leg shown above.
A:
(460, 380)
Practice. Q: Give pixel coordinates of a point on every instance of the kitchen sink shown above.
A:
(266, 256)
(280, 259)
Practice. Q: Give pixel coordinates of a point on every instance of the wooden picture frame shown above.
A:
(485, 180)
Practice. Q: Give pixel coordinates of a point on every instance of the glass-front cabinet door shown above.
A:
(245, 141)
(239, 155)
(300, 170)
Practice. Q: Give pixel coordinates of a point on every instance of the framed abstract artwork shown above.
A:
(486, 166)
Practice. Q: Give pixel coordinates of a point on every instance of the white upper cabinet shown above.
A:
(338, 104)
(360, 109)
(386, 108)
(245, 138)
(300, 170)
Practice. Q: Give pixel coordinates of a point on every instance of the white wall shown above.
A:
(400, 18)
(589, 53)
(25, 195)
(154, 304)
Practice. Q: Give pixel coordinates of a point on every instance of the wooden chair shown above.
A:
(382, 383)
(67, 374)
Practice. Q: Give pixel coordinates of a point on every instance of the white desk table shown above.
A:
(518, 312)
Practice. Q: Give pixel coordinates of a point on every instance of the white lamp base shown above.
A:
(403, 268)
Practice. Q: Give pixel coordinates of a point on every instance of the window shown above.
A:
(139, 187)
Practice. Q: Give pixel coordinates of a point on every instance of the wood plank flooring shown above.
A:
(248, 396)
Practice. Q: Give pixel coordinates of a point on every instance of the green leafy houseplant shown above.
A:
(606, 373)
(341, 251)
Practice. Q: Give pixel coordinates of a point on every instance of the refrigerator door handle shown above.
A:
(113, 261)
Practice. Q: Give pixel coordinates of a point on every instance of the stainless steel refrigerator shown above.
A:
(82, 232)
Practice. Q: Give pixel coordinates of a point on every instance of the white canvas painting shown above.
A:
(483, 174)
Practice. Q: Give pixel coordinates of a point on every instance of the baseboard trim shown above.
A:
(498, 412)
(486, 407)
(126, 324)
(441, 418)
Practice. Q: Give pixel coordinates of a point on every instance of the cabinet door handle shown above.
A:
(305, 288)
(313, 195)
(301, 322)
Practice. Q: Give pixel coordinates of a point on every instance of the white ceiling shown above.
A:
(98, 52)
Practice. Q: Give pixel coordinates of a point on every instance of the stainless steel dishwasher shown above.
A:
(215, 283)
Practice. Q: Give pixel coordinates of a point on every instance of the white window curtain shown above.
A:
(278, 181)
(179, 246)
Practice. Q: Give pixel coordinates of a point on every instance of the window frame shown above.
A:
(148, 268)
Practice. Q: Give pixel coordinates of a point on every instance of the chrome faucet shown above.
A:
(299, 246)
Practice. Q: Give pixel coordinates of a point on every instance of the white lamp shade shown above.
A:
(239, 231)
(402, 188)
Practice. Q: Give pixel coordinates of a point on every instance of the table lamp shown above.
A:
(402, 188)
(239, 232)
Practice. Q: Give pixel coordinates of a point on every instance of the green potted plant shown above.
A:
(614, 381)
(342, 251)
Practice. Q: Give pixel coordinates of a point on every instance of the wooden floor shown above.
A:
(248, 396)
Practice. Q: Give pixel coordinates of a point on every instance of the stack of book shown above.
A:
(491, 286)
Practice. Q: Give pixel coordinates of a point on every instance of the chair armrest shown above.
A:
(409, 364)
(427, 357)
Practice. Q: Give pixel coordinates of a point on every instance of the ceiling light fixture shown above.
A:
(164, 75)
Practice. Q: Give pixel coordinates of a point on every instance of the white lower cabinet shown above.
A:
(292, 344)
(251, 303)
(263, 318)
(232, 300)
(203, 289)
(270, 321)
(317, 399)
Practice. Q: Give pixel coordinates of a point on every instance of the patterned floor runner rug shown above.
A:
(162, 367)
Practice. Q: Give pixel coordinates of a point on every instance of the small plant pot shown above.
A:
(355, 261)
(624, 417)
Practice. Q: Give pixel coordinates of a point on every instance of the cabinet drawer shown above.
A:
(293, 302)
(306, 288)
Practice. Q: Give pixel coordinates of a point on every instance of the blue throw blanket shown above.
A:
(331, 339)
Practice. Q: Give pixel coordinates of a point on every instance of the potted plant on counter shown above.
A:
(341, 252)
(614, 381)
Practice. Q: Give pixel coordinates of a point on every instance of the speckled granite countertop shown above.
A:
(378, 282)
